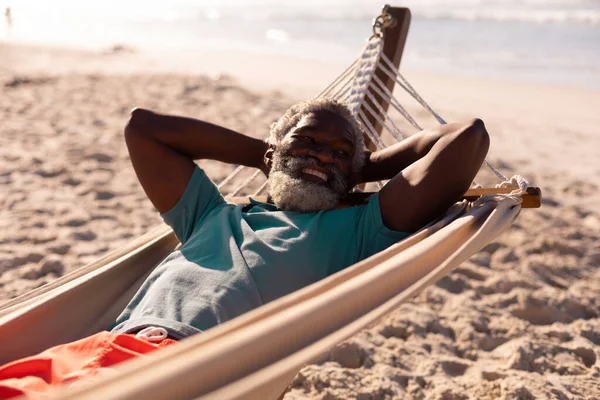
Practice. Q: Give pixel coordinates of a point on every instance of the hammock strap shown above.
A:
(245, 183)
(370, 130)
(230, 176)
(340, 78)
(378, 87)
(496, 171)
(394, 74)
(342, 94)
(261, 188)
(377, 117)
(394, 131)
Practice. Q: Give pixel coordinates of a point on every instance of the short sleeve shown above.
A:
(372, 235)
(200, 197)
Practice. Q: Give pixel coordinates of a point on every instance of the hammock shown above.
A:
(256, 355)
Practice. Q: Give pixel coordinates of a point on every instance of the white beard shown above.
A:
(292, 193)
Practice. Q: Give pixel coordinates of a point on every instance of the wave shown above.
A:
(580, 12)
(582, 17)
(529, 14)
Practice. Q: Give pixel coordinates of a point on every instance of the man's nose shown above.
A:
(322, 154)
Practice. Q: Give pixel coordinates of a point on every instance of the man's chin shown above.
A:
(292, 194)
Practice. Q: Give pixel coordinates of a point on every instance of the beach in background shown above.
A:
(519, 320)
(553, 41)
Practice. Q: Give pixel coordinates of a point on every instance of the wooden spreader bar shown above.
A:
(532, 198)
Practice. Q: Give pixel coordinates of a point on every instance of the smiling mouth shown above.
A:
(322, 176)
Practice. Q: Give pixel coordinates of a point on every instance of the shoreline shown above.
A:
(248, 68)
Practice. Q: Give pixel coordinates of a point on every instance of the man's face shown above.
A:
(312, 164)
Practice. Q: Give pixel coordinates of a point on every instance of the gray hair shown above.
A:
(293, 115)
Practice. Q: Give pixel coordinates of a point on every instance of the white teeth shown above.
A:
(315, 173)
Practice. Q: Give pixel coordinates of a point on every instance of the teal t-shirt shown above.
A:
(235, 258)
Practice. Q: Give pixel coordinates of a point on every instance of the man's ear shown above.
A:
(268, 157)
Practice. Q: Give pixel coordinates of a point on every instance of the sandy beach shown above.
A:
(520, 320)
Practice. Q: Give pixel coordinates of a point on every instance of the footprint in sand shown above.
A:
(493, 247)
(481, 259)
(545, 245)
(60, 248)
(100, 157)
(84, 235)
(19, 260)
(76, 221)
(492, 375)
(104, 195)
(505, 284)
(581, 188)
(454, 367)
(505, 257)
(72, 181)
(454, 283)
(50, 172)
(349, 354)
(51, 264)
(546, 310)
(528, 355)
(548, 201)
(549, 275)
(472, 272)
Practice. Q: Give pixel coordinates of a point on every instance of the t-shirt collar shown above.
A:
(267, 206)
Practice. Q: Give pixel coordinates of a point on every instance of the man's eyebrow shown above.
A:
(309, 128)
(313, 129)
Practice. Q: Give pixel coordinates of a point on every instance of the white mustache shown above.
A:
(295, 165)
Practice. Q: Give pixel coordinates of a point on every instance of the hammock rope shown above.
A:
(393, 73)
(370, 130)
(260, 190)
(364, 74)
(394, 131)
(385, 93)
(246, 182)
(343, 76)
(231, 176)
(407, 86)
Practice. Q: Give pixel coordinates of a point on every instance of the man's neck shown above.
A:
(351, 199)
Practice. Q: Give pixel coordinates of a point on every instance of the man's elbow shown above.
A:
(139, 122)
(475, 137)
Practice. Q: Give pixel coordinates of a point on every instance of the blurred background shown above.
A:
(549, 41)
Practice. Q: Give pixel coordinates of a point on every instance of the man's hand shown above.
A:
(429, 172)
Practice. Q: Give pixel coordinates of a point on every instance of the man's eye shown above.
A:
(307, 139)
(342, 153)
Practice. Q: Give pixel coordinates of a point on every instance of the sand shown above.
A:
(520, 320)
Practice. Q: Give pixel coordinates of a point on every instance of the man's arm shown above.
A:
(429, 172)
(162, 149)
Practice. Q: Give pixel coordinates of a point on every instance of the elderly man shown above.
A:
(235, 258)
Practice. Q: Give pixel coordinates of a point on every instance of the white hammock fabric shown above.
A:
(256, 355)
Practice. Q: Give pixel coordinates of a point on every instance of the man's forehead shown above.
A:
(329, 121)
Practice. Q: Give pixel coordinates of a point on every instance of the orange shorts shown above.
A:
(66, 363)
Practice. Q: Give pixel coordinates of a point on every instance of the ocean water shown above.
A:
(555, 41)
